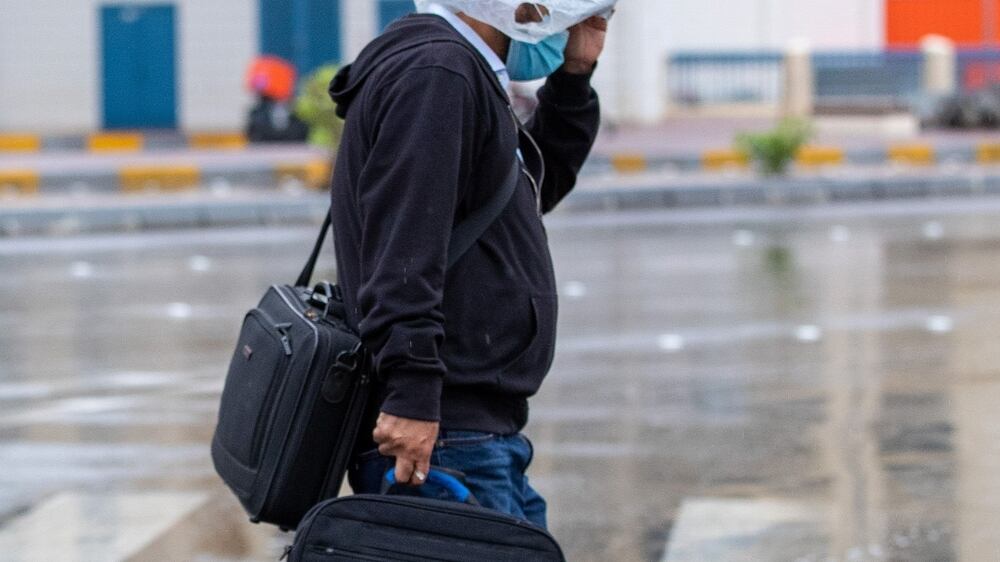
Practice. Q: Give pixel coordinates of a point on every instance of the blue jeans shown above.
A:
(493, 465)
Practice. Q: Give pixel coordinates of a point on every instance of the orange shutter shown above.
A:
(907, 21)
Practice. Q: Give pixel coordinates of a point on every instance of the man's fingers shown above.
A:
(423, 468)
(597, 22)
(409, 441)
(404, 470)
(379, 434)
(593, 23)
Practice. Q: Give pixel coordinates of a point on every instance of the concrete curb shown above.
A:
(809, 157)
(180, 175)
(916, 153)
(66, 215)
(70, 217)
(782, 191)
(123, 141)
(168, 176)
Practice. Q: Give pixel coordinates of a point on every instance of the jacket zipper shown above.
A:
(536, 185)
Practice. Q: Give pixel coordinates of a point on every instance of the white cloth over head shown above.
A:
(558, 15)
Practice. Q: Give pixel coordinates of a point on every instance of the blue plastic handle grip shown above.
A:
(446, 481)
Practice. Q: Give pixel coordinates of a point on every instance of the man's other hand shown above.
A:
(410, 441)
(586, 41)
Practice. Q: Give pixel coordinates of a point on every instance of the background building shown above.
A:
(80, 65)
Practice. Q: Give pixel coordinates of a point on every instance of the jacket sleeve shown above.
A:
(407, 192)
(564, 125)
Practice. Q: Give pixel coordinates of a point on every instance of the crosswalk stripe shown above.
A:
(94, 527)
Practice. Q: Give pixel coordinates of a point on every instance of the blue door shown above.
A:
(137, 48)
(391, 10)
(303, 32)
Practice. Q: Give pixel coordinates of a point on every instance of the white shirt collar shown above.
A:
(497, 65)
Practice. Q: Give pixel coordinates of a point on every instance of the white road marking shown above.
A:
(743, 238)
(179, 310)
(95, 527)
(199, 263)
(840, 234)
(933, 230)
(940, 324)
(575, 290)
(808, 333)
(747, 332)
(670, 343)
(746, 530)
(81, 270)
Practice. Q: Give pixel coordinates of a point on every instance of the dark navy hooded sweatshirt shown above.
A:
(428, 138)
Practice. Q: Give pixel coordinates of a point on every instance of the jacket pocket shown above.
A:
(504, 344)
(524, 374)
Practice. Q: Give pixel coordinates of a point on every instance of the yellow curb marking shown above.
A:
(20, 143)
(988, 153)
(159, 178)
(726, 158)
(222, 141)
(820, 156)
(24, 182)
(628, 163)
(918, 154)
(115, 142)
(314, 174)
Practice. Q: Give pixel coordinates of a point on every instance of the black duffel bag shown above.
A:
(297, 387)
(395, 528)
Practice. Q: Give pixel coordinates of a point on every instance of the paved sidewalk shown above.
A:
(691, 135)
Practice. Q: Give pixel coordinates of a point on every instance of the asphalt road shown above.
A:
(842, 360)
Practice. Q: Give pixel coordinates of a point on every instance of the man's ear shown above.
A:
(529, 12)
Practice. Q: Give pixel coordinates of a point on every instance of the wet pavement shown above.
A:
(800, 384)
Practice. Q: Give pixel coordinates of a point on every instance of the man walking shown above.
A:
(429, 136)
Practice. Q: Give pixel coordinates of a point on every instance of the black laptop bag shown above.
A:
(297, 387)
(394, 528)
(292, 403)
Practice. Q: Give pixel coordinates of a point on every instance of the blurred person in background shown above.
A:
(271, 119)
(428, 138)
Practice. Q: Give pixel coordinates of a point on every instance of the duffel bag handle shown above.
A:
(440, 477)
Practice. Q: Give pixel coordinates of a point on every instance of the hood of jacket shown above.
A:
(408, 33)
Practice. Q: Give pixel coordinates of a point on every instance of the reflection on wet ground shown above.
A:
(796, 384)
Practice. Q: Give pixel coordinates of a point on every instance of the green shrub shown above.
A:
(316, 109)
(774, 150)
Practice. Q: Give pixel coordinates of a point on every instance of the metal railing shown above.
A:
(978, 69)
(868, 78)
(860, 79)
(725, 78)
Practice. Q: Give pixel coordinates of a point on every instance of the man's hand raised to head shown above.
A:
(586, 41)
(410, 441)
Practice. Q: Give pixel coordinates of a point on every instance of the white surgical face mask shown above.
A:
(562, 14)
